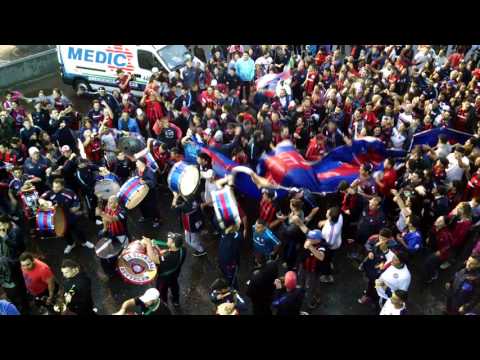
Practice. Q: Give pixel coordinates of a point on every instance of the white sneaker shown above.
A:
(88, 244)
(68, 249)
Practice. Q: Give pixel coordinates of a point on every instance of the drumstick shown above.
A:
(104, 246)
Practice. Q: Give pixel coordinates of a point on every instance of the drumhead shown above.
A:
(137, 196)
(60, 222)
(189, 181)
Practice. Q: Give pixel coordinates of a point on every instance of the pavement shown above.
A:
(198, 273)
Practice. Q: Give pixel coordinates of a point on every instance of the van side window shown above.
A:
(147, 61)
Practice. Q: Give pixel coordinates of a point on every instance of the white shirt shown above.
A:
(397, 138)
(395, 279)
(455, 172)
(443, 150)
(332, 233)
(389, 309)
(401, 222)
(209, 187)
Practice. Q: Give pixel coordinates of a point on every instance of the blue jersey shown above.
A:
(413, 240)
(264, 242)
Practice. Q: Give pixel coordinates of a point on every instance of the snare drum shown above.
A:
(29, 200)
(135, 266)
(105, 188)
(108, 250)
(184, 179)
(132, 192)
(51, 222)
(226, 208)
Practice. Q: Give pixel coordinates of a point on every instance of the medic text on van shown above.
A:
(96, 56)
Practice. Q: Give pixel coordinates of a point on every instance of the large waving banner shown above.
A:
(285, 166)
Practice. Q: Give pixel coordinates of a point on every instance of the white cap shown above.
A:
(214, 83)
(139, 112)
(33, 150)
(65, 148)
(125, 97)
(151, 294)
(154, 70)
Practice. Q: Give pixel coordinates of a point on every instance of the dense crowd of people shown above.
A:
(418, 215)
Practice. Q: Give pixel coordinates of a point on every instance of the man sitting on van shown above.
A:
(123, 81)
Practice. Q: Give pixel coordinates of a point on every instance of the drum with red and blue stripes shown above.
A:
(131, 194)
(226, 208)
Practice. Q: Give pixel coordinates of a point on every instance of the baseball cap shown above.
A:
(139, 112)
(154, 70)
(214, 83)
(101, 88)
(290, 280)
(315, 235)
(65, 148)
(151, 294)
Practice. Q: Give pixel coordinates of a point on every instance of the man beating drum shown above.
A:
(114, 219)
(148, 206)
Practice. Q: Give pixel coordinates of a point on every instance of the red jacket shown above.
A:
(459, 232)
(315, 150)
(388, 182)
(444, 242)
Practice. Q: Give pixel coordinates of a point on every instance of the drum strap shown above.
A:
(153, 308)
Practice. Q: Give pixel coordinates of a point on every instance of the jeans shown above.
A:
(193, 239)
(169, 282)
(309, 281)
(431, 266)
(245, 90)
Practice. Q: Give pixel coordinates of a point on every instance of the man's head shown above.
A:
(268, 194)
(203, 159)
(473, 262)
(246, 55)
(290, 280)
(4, 223)
(125, 116)
(388, 163)
(150, 297)
(399, 298)
(220, 285)
(70, 268)
(385, 234)
(174, 241)
(141, 164)
(260, 225)
(399, 259)
(315, 236)
(374, 203)
(26, 261)
(440, 223)
(113, 202)
(66, 151)
(34, 153)
(58, 185)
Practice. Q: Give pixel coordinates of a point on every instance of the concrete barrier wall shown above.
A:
(28, 68)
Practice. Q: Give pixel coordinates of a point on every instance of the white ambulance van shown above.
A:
(87, 67)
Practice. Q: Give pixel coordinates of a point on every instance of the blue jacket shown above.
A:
(7, 308)
(245, 69)
(131, 126)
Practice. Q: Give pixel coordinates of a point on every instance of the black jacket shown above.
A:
(80, 288)
(261, 287)
(288, 303)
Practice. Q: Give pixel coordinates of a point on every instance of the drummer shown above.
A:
(149, 205)
(169, 260)
(70, 203)
(85, 176)
(18, 181)
(114, 219)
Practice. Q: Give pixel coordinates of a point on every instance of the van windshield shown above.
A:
(174, 56)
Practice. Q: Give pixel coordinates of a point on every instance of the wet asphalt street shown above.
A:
(198, 273)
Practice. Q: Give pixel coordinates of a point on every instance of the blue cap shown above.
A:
(315, 235)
